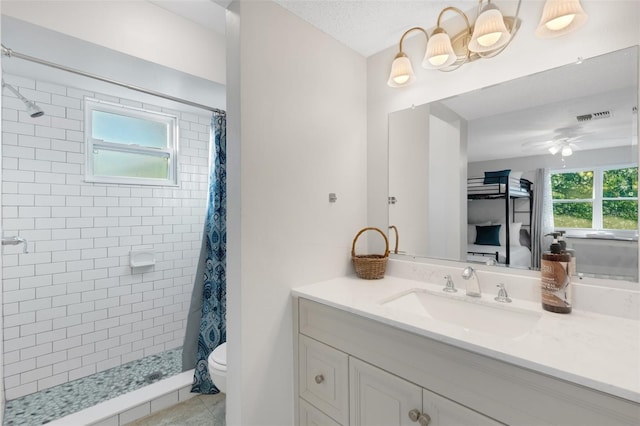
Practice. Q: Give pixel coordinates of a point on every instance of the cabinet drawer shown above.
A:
(311, 416)
(324, 378)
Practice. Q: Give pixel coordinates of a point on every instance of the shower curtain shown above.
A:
(542, 216)
(206, 323)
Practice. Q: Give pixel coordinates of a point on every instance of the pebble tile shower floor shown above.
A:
(50, 404)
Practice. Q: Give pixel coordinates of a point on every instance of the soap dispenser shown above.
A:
(556, 279)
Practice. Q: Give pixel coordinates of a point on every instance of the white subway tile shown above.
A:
(68, 343)
(81, 307)
(50, 336)
(22, 390)
(35, 281)
(93, 254)
(51, 313)
(19, 343)
(49, 132)
(65, 300)
(18, 295)
(82, 372)
(66, 278)
(50, 268)
(56, 379)
(50, 155)
(35, 305)
(65, 255)
(36, 351)
(65, 366)
(84, 349)
(80, 265)
(36, 374)
(83, 330)
(95, 358)
(18, 271)
(52, 178)
(68, 321)
(66, 101)
(51, 290)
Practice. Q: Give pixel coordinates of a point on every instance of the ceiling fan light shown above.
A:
(560, 17)
(566, 151)
(401, 72)
(554, 149)
(440, 53)
(489, 32)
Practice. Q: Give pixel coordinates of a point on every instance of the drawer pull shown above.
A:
(423, 419)
(319, 378)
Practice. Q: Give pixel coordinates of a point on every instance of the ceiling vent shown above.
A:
(594, 116)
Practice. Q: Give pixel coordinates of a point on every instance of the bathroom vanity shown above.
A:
(402, 352)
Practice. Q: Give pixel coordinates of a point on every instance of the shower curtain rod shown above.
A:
(10, 53)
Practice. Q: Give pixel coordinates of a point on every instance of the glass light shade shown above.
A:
(560, 17)
(440, 53)
(566, 151)
(554, 149)
(401, 72)
(489, 32)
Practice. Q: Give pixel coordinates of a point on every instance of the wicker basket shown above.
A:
(370, 266)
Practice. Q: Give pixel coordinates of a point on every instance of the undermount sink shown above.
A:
(491, 318)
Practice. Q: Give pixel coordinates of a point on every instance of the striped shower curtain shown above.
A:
(209, 299)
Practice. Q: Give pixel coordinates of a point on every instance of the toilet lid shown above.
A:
(219, 354)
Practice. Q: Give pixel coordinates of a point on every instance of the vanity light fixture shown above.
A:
(488, 36)
(560, 17)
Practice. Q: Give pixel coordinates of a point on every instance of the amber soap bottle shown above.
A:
(556, 280)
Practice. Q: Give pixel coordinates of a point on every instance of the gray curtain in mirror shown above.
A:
(542, 216)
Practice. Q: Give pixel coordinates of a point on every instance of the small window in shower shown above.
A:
(127, 145)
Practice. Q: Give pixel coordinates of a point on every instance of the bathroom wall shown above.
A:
(525, 55)
(73, 306)
(296, 132)
(137, 28)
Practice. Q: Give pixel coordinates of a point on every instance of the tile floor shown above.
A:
(201, 410)
(56, 402)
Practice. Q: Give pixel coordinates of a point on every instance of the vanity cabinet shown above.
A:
(380, 398)
(356, 371)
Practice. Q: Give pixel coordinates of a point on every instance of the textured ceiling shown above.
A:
(374, 25)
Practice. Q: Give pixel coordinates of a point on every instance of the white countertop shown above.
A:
(593, 350)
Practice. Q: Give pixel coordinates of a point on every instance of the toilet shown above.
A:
(217, 362)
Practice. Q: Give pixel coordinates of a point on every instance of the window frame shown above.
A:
(171, 152)
(597, 221)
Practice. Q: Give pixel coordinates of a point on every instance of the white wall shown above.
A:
(72, 305)
(137, 28)
(612, 25)
(297, 131)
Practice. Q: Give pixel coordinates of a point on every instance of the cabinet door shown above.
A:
(311, 416)
(323, 378)
(379, 398)
(444, 412)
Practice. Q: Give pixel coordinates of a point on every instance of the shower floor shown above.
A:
(56, 402)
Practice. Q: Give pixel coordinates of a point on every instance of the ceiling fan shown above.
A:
(564, 141)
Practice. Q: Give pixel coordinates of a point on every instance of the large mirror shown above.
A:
(484, 176)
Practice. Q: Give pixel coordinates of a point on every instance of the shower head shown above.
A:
(32, 109)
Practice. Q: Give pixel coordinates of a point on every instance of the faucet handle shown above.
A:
(450, 286)
(502, 294)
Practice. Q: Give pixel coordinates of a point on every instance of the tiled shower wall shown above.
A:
(72, 305)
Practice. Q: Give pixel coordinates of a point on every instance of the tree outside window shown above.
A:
(597, 198)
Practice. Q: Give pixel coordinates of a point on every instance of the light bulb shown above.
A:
(567, 151)
(490, 39)
(560, 22)
(401, 79)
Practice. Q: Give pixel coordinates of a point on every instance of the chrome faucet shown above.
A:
(502, 294)
(450, 287)
(473, 285)
(12, 241)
